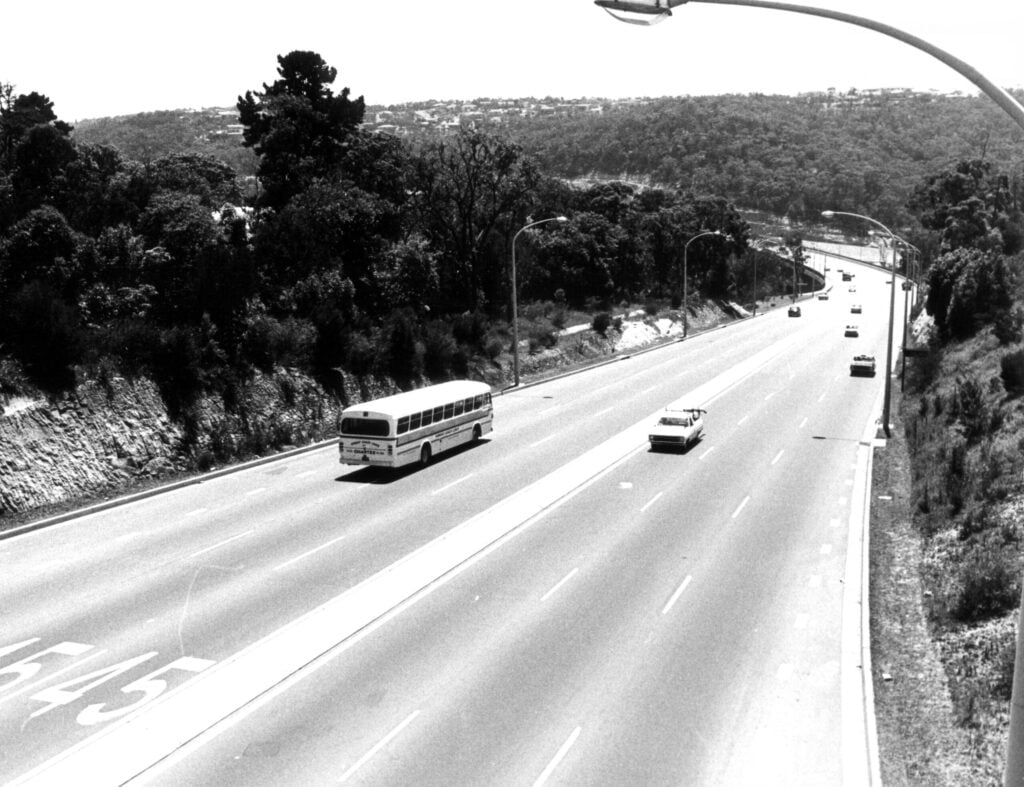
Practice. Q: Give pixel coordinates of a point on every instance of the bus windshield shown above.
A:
(369, 427)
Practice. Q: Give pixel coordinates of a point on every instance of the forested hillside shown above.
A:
(793, 156)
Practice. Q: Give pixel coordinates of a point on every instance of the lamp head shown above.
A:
(828, 214)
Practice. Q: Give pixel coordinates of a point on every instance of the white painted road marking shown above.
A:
(458, 481)
(557, 758)
(677, 594)
(222, 543)
(739, 508)
(650, 502)
(778, 456)
(712, 448)
(549, 437)
(553, 590)
(378, 746)
(307, 554)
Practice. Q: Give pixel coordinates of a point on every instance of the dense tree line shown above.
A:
(357, 251)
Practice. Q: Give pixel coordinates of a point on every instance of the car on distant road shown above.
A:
(851, 330)
(853, 288)
(856, 309)
(862, 366)
(822, 296)
(794, 311)
(677, 428)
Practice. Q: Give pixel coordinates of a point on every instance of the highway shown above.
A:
(554, 605)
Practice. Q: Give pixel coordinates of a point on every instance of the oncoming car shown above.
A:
(851, 330)
(677, 427)
(856, 309)
(794, 311)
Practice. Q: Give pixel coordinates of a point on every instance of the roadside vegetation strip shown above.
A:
(131, 745)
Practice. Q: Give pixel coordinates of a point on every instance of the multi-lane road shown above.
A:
(554, 605)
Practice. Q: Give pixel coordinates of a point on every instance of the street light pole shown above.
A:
(828, 214)
(515, 316)
(686, 246)
(911, 248)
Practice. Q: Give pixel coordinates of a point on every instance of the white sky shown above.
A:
(96, 58)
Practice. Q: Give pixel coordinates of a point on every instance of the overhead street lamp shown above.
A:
(828, 214)
(686, 246)
(515, 316)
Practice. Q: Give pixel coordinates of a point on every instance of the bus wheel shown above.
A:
(425, 455)
(477, 433)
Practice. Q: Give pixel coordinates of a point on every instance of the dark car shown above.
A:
(794, 311)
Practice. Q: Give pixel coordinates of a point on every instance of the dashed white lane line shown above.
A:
(307, 474)
(814, 581)
(453, 483)
(564, 579)
(801, 621)
(785, 672)
(307, 554)
(826, 549)
(557, 758)
(769, 396)
(778, 456)
(650, 502)
(378, 746)
(222, 543)
(803, 423)
(820, 398)
(648, 390)
(602, 412)
(744, 418)
(257, 490)
(676, 595)
(739, 508)
(196, 511)
(833, 522)
(544, 440)
(712, 448)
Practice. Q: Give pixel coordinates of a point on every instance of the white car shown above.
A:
(677, 427)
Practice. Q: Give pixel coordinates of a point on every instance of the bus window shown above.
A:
(469, 404)
(428, 417)
(414, 421)
(403, 424)
(449, 410)
(478, 402)
(459, 407)
(368, 427)
(438, 414)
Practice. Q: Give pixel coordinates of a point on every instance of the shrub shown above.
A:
(651, 309)
(439, 348)
(601, 322)
(1012, 372)
(470, 328)
(986, 583)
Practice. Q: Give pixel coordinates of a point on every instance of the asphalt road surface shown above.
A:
(556, 604)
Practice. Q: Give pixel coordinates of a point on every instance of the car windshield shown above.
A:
(672, 420)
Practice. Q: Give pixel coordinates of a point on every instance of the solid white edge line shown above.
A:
(564, 579)
(676, 595)
(307, 554)
(378, 746)
(558, 758)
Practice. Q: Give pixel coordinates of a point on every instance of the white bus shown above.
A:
(414, 426)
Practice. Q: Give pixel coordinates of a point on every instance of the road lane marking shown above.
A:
(557, 758)
(565, 579)
(815, 581)
(826, 549)
(30, 687)
(842, 501)
(378, 746)
(769, 396)
(650, 502)
(803, 423)
(778, 456)
(257, 490)
(739, 508)
(712, 448)
(785, 672)
(549, 437)
(820, 398)
(222, 543)
(648, 390)
(196, 511)
(602, 412)
(676, 595)
(833, 522)
(744, 418)
(307, 554)
(801, 621)
(453, 483)
(307, 474)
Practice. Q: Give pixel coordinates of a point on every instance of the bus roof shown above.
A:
(419, 398)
